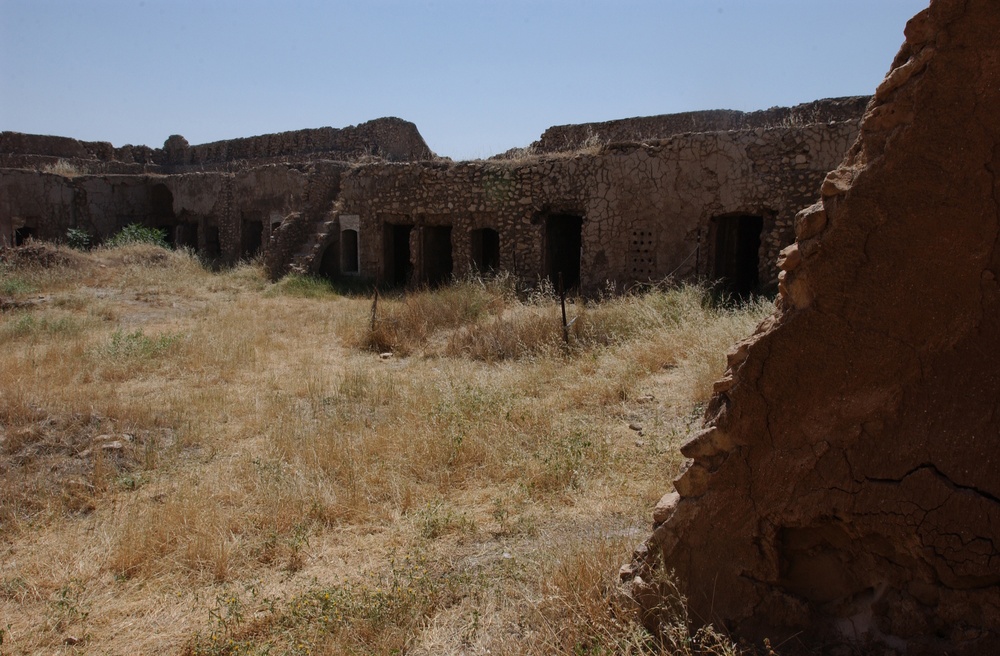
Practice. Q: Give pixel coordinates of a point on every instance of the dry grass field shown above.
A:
(199, 462)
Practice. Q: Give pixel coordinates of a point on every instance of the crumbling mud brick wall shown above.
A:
(647, 211)
(846, 486)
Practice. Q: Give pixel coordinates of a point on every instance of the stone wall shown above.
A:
(647, 210)
(845, 490)
(636, 211)
(391, 139)
(652, 128)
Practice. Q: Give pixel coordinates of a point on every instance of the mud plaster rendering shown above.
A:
(846, 488)
(703, 194)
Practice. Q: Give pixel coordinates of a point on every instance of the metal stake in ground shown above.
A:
(562, 301)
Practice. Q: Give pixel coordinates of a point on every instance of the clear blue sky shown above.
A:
(477, 77)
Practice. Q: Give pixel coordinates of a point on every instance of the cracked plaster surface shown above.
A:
(847, 487)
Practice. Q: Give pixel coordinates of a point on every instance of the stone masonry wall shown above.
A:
(651, 128)
(391, 139)
(663, 195)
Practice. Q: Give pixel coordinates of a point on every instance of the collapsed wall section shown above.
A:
(846, 487)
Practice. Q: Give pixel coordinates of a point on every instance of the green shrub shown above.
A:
(78, 238)
(135, 233)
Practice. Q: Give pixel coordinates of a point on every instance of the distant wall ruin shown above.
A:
(562, 138)
(391, 139)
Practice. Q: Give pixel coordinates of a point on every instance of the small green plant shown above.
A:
(435, 520)
(67, 607)
(13, 286)
(78, 238)
(138, 345)
(136, 233)
(28, 325)
(303, 286)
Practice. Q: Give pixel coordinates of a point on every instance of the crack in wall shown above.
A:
(940, 476)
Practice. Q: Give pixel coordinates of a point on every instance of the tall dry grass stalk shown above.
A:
(223, 452)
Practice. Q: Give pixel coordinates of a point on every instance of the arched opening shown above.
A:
(161, 202)
(486, 250)
(349, 262)
(563, 244)
(437, 258)
(186, 235)
(737, 248)
(328, 264)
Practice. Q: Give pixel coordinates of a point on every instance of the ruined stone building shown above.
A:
(703, 194)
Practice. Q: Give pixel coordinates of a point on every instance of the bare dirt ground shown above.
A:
(208, 463)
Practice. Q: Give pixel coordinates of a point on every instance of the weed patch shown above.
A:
(136, 345)
(136, 233)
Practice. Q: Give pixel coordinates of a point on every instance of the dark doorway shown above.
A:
(328, 265)
(23, 234)
(213, 246)
(486, 250)
(437, 260)
(252, 238)
(167, 231)
(563, 241)
(397, 265)
(349, 251)
(161, 202)
(737, 244)
(186, 236)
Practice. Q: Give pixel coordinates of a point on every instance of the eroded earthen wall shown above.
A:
(846, 487)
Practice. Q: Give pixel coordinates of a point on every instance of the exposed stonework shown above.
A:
(715, 204)
(646, 210)
(846, 488)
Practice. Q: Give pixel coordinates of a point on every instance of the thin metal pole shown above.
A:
(562, 301)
